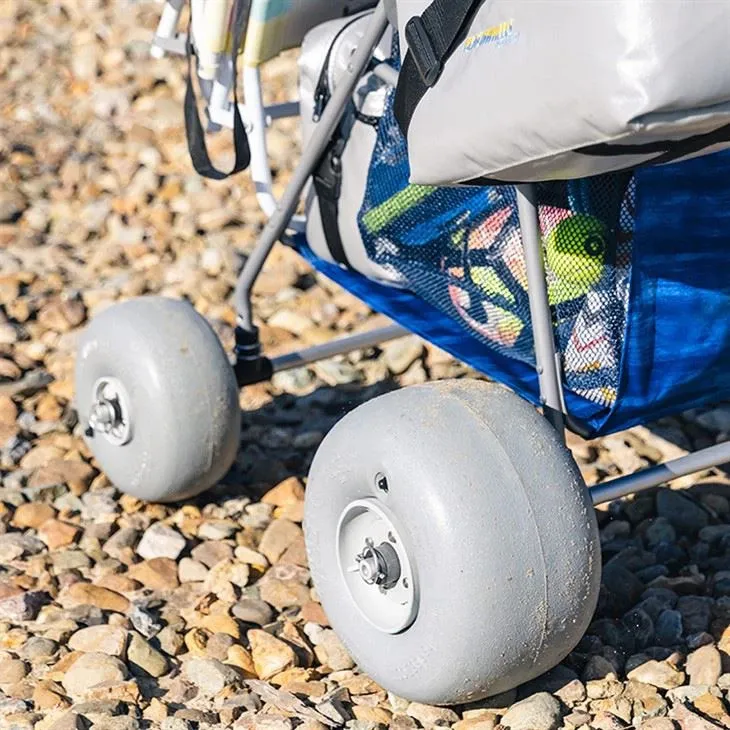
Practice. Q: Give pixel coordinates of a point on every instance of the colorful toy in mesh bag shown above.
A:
(461, 250)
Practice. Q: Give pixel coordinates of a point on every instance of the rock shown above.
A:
(331, 651)
(209, 675)
(659, 674)
(277, 537)
(32, 515)
(704, 666)
(12, 671)
(191, 571)
(400, 354)
(621, 589)
(270, 655)
(658, 723)
(110, 640)
(91, 595)
(158, 574)
(217, 530)
(217, 623)
(539, 712)
(660, 530)
(144, 659)
(684, 515)
(696, 613)
(91, 670)
(668, 628)
(161, 541)
(22, 606)
(210, 553)
(253, 611)
(689, 720)
(290, 491)
(598, 667)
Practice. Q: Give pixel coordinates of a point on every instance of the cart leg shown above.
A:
(542, 322)
(247, 345)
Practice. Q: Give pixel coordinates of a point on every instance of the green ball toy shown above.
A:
(576, 255)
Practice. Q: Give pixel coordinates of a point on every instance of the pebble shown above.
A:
(160, 541)
(109, 640)
(704, 666)
(539, 712)
(90, 670)
(209, 675)
(668, 628)
(253, 611)
(12, 671)
(159, 574)
(270, 655)
(144, 659)
(277, 537)
(657, 673)
(682, 513)
(93, 595)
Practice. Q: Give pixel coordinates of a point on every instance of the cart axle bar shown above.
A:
(656, 475)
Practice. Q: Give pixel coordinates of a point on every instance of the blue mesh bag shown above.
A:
(637, 269)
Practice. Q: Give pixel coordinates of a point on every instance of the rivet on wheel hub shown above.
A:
(376, 567)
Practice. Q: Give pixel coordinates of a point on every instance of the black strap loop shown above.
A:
(431, 40)
(194, 131)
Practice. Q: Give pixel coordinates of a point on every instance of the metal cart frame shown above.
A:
(252, 366)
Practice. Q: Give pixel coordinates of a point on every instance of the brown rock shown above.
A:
(12, 671)
(282, 594)
(8, 411)
(57, 534)
(658, 674)
(689, 720)
(221, 624)
(93, 595)
(46, 698)
(312, 612)
(270, 655)
(290, 491)
(48, 408)
(372, 714)
(704, 665)
(241, 658)
(118, 583)
(32, 515)
(159, 574)
(40, 455)
(277, 537)
(76, 474)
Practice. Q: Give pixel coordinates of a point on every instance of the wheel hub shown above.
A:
(109, 414)
(376, 567)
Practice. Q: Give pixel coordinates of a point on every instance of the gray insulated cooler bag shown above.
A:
(518, 91)
(338, 184)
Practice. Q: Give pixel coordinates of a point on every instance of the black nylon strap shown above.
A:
(327, 181)
(194, 131)
(667, 150)
(431, 38)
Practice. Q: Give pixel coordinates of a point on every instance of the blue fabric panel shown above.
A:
(677, 347)
(432, 325)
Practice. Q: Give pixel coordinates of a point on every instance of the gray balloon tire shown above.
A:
(498, 522)
(185, 413)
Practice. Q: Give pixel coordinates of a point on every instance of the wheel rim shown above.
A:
(375, 566)
(110, 414)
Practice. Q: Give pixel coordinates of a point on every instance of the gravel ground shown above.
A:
(121, 615)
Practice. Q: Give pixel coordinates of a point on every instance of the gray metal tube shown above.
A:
(656, 475)
(542, 322)
(310, 157)
(337, 347)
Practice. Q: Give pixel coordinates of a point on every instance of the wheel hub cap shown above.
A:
(109, 414)
(376, 567)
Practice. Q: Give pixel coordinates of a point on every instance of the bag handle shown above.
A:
(431, 38)
(194, 132)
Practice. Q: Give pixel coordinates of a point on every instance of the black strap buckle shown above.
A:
(421, 49)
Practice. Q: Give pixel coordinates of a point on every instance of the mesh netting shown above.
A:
(461, 250)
